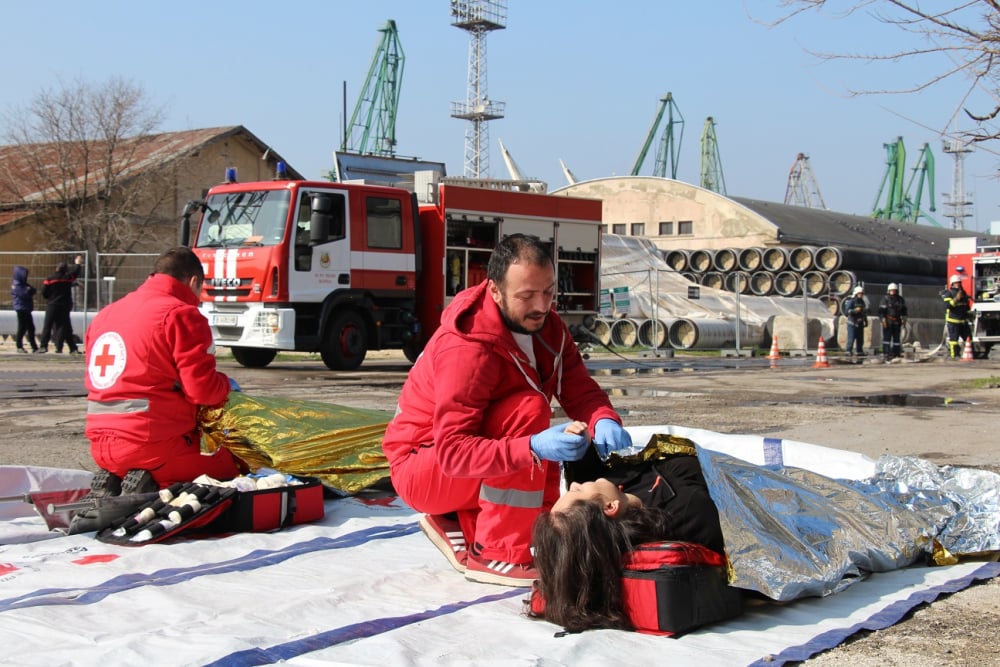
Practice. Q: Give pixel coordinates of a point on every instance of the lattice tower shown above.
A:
(478, 18)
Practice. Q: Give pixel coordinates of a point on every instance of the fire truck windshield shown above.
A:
(244, 218)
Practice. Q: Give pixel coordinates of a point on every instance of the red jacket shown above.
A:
(150, 364)
(471, 362)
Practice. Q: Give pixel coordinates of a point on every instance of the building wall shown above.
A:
(714, 221)
(188, 178)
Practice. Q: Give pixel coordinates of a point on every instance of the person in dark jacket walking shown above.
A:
(58, 292)
(892, 313)
(24, 304)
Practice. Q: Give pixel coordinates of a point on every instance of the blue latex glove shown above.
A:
(234, 385)
(555, 444)
(609, 436)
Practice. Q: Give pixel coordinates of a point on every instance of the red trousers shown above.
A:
(169, 461)
(496, 513)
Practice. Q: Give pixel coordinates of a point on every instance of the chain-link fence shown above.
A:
(113, 276)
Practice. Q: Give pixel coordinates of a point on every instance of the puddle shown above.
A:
(647, 393)
(899, 400)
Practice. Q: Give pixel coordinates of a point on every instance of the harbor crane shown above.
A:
(899, 204)
(372, 128)
(667, 150)
(802, 189)
(711, 164)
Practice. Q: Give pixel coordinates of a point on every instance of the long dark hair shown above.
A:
(578, 555)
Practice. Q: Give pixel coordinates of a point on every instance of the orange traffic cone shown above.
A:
(775, 354)
(821, 360)
(967, 353)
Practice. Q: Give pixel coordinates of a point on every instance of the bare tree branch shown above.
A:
(77, 148)
(968, 34)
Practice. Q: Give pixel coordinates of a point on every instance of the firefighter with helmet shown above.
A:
(892, 314)
(958, 309)
(856, 309)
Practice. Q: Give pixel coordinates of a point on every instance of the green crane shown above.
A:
(372, 128)
(899, 205)
(667, 149)
(711, 164)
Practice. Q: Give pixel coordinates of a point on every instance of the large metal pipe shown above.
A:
(787, 283)
(653, 333)
(762, 283)
(692, 277)
(602, 330)
(816, 283)
(751, 259)
(842, 282)
(775, 259)
(891, 263)
(700, 261)
(802, 259)
(699, 334)
(676, 259)
(738, 281)
(828, 258)
(725, 260)
(832, 303)
(625, 333)
(714, 280)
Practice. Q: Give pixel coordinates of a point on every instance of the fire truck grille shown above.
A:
(239, 293)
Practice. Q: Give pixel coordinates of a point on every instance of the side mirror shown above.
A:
(320, 219)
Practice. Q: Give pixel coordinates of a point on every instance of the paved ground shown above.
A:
(935, 409)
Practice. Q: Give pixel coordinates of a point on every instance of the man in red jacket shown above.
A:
(150, 365)
(472, 443)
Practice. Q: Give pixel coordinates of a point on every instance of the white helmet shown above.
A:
(954, 279)
(858, 290)
(892, 286)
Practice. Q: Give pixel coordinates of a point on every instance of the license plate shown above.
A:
(225, 320)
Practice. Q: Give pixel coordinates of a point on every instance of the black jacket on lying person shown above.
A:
(672, 482)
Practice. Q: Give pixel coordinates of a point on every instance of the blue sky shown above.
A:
(581, 82)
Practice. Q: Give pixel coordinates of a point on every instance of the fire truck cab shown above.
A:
(343, 268)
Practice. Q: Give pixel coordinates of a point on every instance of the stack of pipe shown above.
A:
(827, 272)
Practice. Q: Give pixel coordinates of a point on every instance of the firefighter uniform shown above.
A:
(892, 313)
(958, 308)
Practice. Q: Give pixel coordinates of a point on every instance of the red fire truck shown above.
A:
(979, 267)
(340, 268)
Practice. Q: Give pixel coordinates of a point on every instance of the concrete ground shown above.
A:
(944, 411)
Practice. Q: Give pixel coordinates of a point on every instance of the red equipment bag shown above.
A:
(214, 509)
(670, 588)
(273, 509)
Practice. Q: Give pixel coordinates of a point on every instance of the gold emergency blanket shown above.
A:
(340, 446)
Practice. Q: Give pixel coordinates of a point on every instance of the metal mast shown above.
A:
(956, 202)
(372, 128)
(711, 164)
(478, 18)
(667, 150)
(803, 190)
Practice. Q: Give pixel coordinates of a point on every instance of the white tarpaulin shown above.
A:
(365, 587)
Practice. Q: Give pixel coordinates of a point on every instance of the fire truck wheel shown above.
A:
(253, 357)
(346, 342)
(411, 352)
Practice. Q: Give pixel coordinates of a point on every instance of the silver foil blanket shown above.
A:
(793, 533)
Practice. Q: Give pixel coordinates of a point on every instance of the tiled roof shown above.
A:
(150, 150)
